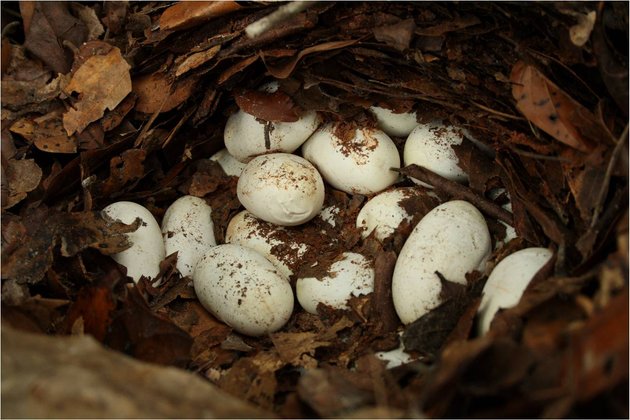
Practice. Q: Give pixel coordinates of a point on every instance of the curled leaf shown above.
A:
(276, 106)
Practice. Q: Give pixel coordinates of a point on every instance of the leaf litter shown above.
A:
(127, 100)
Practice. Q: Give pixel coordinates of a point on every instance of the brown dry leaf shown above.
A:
(238, 67)
(548, 107)
(28, 257)
(398, 35)
(156, 93)
(46, 132)
(187, 14)
(585, 185)
(195, 60)
(89, 18)
(21, 177)
(94, 305)
(282, 71)
(115, 15)
(276, 106)
(298, 348)
(51, 24)
(103, 81)
(27, 8)
(124, 170)
(6, 54)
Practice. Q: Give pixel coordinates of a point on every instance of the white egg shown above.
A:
(187, 229)
(352, 275)
(397, 125)
(429, 145)
(147, 249)
(508, 281)
(360, 164)
(384, 213)
(510, 232)
(244, 134)
(243, 289)
(452, 239)
(281, 188)
(228, 163)
(270, 240)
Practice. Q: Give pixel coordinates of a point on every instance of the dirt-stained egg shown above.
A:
(187, 229)
(243, 289)
(383, 213)
(147, 249)
(429, 145)
(452, 239)
(351, 275)
(354, 160)
(228, 163)
(273, 242)
(281, 188)
(507, 282)
(395, 124)
(245, 136)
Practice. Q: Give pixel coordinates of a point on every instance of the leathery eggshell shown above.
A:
(147, 249)
(398, 125)
(359, 163)
(429, 145)
(281, 188)
(507, 282)
(451, 239)
(187, 229)
(383, 213)
(351, 275)
(272, 241)
(228, 163)
(243, 289)
(244, 134)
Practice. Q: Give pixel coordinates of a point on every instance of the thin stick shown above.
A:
(459, 191)
(611, 164)
(499, 113)
(283, 13)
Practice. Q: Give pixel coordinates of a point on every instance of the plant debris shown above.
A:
(112, 101)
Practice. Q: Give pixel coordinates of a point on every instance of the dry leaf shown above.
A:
(102, 81)
(547, 106)
(187, 14)
(284, 70)
(195, 60)
(156, 93)
(47, 133)
(21, 177)
(276, 106)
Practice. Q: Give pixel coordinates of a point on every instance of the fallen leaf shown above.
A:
(51, 24)
(21, 177)
(282, 71)
(89, 18)
(156, 93)
(102, 81)
(548, 107)
(398, 35)
(193, 61)
(276, 106)
(236, 68)
(6, 54)
(293, 346)
(94, 305)
(187, 14)
(115, 15)
(47, 133)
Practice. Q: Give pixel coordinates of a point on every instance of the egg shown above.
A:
(397, 125)
(272, 241)
(228, 163)
(281, 188)
(245, 135)
(383, 213)
(429, 145)
(187, 229)
(351, 275)
(243, 289)
(147, 250)
(507, 282)
(452, 239)
(358, 163)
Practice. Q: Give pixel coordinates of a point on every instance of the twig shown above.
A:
(499, 113)
(283, 13)
(537, 155)
(459, 191)
(611, 164)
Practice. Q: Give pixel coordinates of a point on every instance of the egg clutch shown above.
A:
(284, 170)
